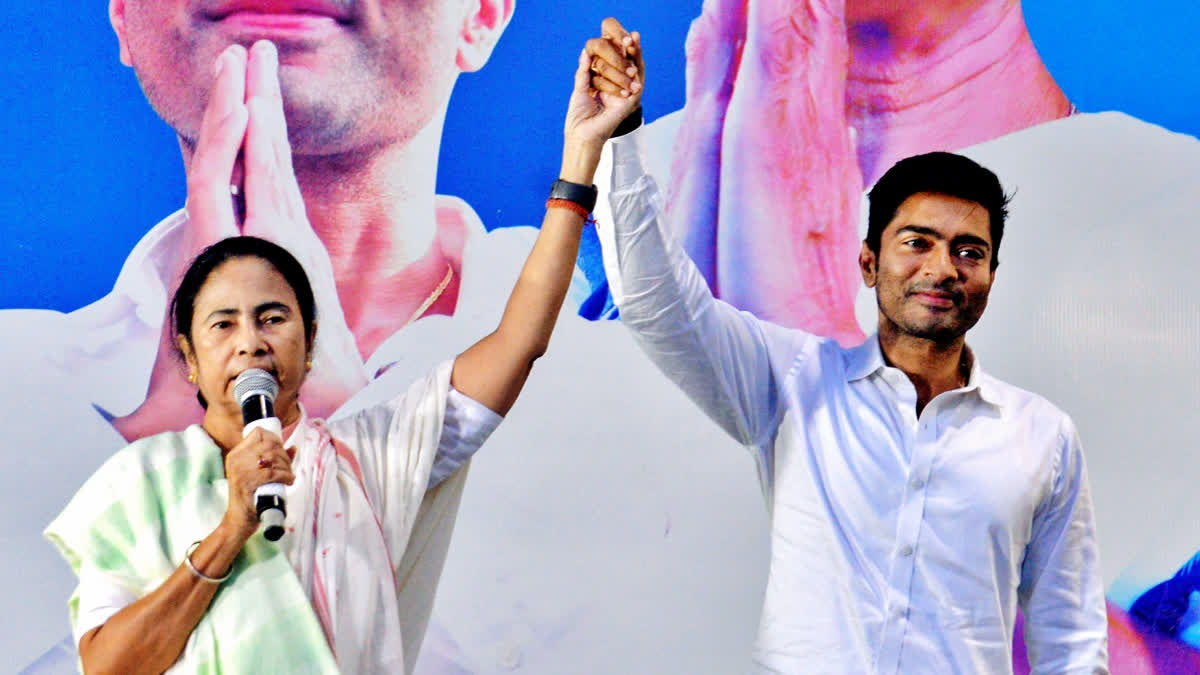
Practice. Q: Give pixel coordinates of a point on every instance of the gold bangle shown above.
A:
(187, 558)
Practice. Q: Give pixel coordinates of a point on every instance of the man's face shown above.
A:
(354, 73)
(933, 272)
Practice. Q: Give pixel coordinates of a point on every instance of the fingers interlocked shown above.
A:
(616, 60)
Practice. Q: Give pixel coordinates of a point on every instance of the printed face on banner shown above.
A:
(354, 73)
(933, 272)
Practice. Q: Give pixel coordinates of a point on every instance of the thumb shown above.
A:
(583, 73)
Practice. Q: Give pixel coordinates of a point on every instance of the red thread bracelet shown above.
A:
(568, 204)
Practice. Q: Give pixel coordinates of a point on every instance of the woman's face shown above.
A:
(246, 316)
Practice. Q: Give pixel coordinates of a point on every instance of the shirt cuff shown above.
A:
(466, 425)
(628, 167)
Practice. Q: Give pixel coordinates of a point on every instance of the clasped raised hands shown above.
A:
(609, 81)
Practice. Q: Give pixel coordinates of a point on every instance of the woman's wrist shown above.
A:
(231, 535)
(211, 559)
(579, 161)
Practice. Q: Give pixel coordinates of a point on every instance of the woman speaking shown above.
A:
(173, 572)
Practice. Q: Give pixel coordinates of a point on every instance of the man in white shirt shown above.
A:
(915, 500)
(1099, 255)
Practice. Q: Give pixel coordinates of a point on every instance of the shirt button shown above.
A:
(906, 551)
(900, 612)
(917, 484)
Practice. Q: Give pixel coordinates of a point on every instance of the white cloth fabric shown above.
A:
(1093, 307)
(360, 483)
(900, 543)
(1096, 265)
(348, 527)
(465, 426)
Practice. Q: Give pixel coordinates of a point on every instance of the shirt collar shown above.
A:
(867, 359)
(981, 382)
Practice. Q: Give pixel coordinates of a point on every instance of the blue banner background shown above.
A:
(91, 168)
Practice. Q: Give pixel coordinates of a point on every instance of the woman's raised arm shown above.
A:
(493, 370)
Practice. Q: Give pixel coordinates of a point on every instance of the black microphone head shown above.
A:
(255, 382)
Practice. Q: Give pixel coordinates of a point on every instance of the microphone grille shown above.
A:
(252, 382)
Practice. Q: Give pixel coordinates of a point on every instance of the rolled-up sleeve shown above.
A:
(467, 424)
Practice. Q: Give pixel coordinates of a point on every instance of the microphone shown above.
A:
(255, 391)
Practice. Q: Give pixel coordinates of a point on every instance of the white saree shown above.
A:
(327, 596)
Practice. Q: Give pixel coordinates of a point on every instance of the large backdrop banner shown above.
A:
(608, 526)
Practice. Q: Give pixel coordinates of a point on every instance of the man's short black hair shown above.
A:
(940, 173)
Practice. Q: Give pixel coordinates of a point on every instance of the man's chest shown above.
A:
(957, 483)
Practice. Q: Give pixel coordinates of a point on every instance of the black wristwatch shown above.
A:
(583, 195)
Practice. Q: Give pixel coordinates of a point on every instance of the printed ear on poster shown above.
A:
(482, 27)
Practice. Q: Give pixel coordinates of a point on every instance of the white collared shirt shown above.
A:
(900, 543)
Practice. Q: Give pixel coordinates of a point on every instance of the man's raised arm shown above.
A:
(720, 357)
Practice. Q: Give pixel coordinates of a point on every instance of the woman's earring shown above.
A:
(192, 378)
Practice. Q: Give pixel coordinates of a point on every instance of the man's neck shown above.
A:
(932, 367)
(921, 83)
(377, 216)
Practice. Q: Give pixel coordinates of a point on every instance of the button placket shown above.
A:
(910, 519)
(919, 439)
